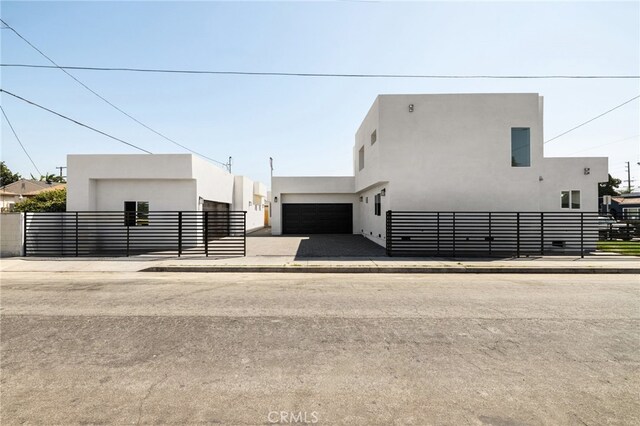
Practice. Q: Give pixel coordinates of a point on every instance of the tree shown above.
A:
(7, 176)
(54, 200)
(609, 187)
(49, 177)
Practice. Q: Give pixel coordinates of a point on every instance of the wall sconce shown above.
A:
(383, 192)
(275, 199)
(201, 201)
(360, 198)
(587, 170)
(410, 107)
(540, 178)
(250, 203)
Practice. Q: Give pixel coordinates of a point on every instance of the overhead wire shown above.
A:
(75, 121)
(19, 141)
(594, 118)
(318, 74)
(55, 65)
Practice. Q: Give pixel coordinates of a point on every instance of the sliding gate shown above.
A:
(171, 233)
(460, 234)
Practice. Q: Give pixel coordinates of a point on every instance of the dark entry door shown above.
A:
(317, 218)
(218, 221)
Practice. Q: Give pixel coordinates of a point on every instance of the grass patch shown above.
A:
(622, 247)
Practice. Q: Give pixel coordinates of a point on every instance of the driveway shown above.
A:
(262, 243)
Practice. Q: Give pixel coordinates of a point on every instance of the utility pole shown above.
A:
(64, 167)
(229, 164)
(628, 177)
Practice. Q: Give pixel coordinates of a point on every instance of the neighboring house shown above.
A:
(460, 152)
(160, 182)
(626, 206)
(24, 188)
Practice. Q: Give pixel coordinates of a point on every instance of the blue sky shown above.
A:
(307, 124)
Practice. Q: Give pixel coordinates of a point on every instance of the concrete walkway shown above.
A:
(552, 264)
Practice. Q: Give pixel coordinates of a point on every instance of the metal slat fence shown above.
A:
(469, 234)
(168, 233)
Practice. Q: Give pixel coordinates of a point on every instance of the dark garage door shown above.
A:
(317, 218)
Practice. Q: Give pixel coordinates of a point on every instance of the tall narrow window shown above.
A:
(374, 137)
(575, 199)
(564, 199)
(520, 147)
(361, 158)
(377, 205)
(130, 213)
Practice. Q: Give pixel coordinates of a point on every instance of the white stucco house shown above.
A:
(160, 182)
(449, 152)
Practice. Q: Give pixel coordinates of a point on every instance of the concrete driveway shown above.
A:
(262, 243)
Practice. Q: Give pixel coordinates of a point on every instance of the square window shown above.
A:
(361, 158)
(136, 213)
(520, 147)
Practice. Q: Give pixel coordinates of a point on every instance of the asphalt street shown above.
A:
(256, 349)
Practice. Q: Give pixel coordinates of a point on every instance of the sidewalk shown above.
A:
(605, 264)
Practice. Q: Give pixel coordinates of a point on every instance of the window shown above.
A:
(374, 137)
(361, 158)
(377, 205)
(136, 213)
(520, 147)
(570, 199)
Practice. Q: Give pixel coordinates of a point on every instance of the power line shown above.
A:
(605, 144)
(594, 118)
(315, 74)
(55, 65)
(75, 121)
(19, 141)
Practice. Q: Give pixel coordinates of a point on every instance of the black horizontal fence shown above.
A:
(489, 234)
(170, 233)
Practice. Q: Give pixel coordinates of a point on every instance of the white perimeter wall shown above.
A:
(11, 234)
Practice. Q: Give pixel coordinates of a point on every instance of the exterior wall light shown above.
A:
(587, 170)
(275, 199)
(361, 198)
(201, 201)
(410, 107)
(383, 192)
(540, 178)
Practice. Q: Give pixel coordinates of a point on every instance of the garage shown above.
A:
(317, 218)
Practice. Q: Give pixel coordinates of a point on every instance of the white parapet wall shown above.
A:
(11, 234)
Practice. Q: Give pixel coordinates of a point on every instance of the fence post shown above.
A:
(541, 233)
(490, 236)
(454, 234)
(206, 234)
(438, 233)
(179, 234)
(128, 226)
(389, 234)
(76, 234)
(244, 233)
(582, 234)
(24, 235)
(518, 234)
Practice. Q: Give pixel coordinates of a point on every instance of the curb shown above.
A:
(390, 270)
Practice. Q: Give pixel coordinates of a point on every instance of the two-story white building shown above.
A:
(450, 152)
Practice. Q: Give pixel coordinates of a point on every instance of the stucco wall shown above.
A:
(162, 194)
(11, 234)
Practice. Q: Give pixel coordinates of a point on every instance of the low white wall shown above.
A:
(11, 234)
